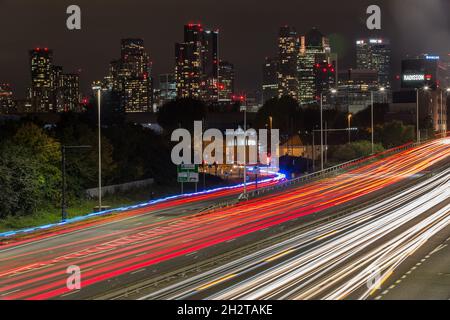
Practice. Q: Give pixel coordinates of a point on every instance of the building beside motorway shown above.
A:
(424, 81)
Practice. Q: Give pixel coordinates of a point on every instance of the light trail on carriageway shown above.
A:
(269, 178)
(41, 274)
(354, 253)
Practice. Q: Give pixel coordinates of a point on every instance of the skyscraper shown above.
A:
(167, 88)
(42, 91)
(226, 81)
(375, 54)
(270, 79)
(68, 92)
(133, 74)
(288, 50)
(197, 64)
(129, 83)
(315, 54)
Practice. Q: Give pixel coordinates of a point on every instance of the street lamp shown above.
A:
(333, 91)
(349, 118)
(381, 89)
(244, 108)
(98, 89)
(425, 88)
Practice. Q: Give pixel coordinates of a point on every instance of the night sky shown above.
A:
(248, 31)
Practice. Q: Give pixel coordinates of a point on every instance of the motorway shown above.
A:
(343, 251)
(348, 258)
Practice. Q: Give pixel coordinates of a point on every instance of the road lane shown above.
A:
(37, 270)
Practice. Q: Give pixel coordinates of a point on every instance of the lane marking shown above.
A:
(277, 256)
(206, 286)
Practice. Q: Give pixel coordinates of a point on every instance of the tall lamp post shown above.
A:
(333, 91)
(417, 111)
(349, 119)
(98, 90)
(244, 108)
(382, 89)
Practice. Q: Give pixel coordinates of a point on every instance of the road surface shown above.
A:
(131, 249)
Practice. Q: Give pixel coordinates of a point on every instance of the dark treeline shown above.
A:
(30, 151)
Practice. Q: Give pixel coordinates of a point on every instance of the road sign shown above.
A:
(188, 173)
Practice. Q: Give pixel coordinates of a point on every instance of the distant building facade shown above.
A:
(51, 89)
(317, 67)
(225, 85)
(288, 51)
(375, 54)
(270, 79)
(167, 88)
(197, 64)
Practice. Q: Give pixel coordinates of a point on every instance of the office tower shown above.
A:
(42, 91)
(7, 104)
(314, 49)
(167, 88)
(375, 54)
(270, 79)
(68, 92)
(428, 74)
(226, 81)
(355, 87)
(197, 64)
(133, 76)
(288, 51)
(211, 65)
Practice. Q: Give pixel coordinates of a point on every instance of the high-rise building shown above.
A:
(428, 75)
(167, 88)
(129, 78)
(375, 54)
(133, 76)
(51, 90)
(6, 99)
(288, 51)
(197, 64)
(226, 81)
(68, 92)
(270, 79)
(314, 50)
(42, 91)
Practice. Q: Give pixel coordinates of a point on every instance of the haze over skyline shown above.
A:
(248, 32)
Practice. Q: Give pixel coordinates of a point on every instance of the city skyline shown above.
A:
(93, 61)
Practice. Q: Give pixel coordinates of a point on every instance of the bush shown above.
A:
(354, 150)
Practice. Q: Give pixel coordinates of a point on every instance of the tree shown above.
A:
(394, 134)
(38, 145)
(286, 115)
(82, 164)
(181, 113)
(354, 150)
